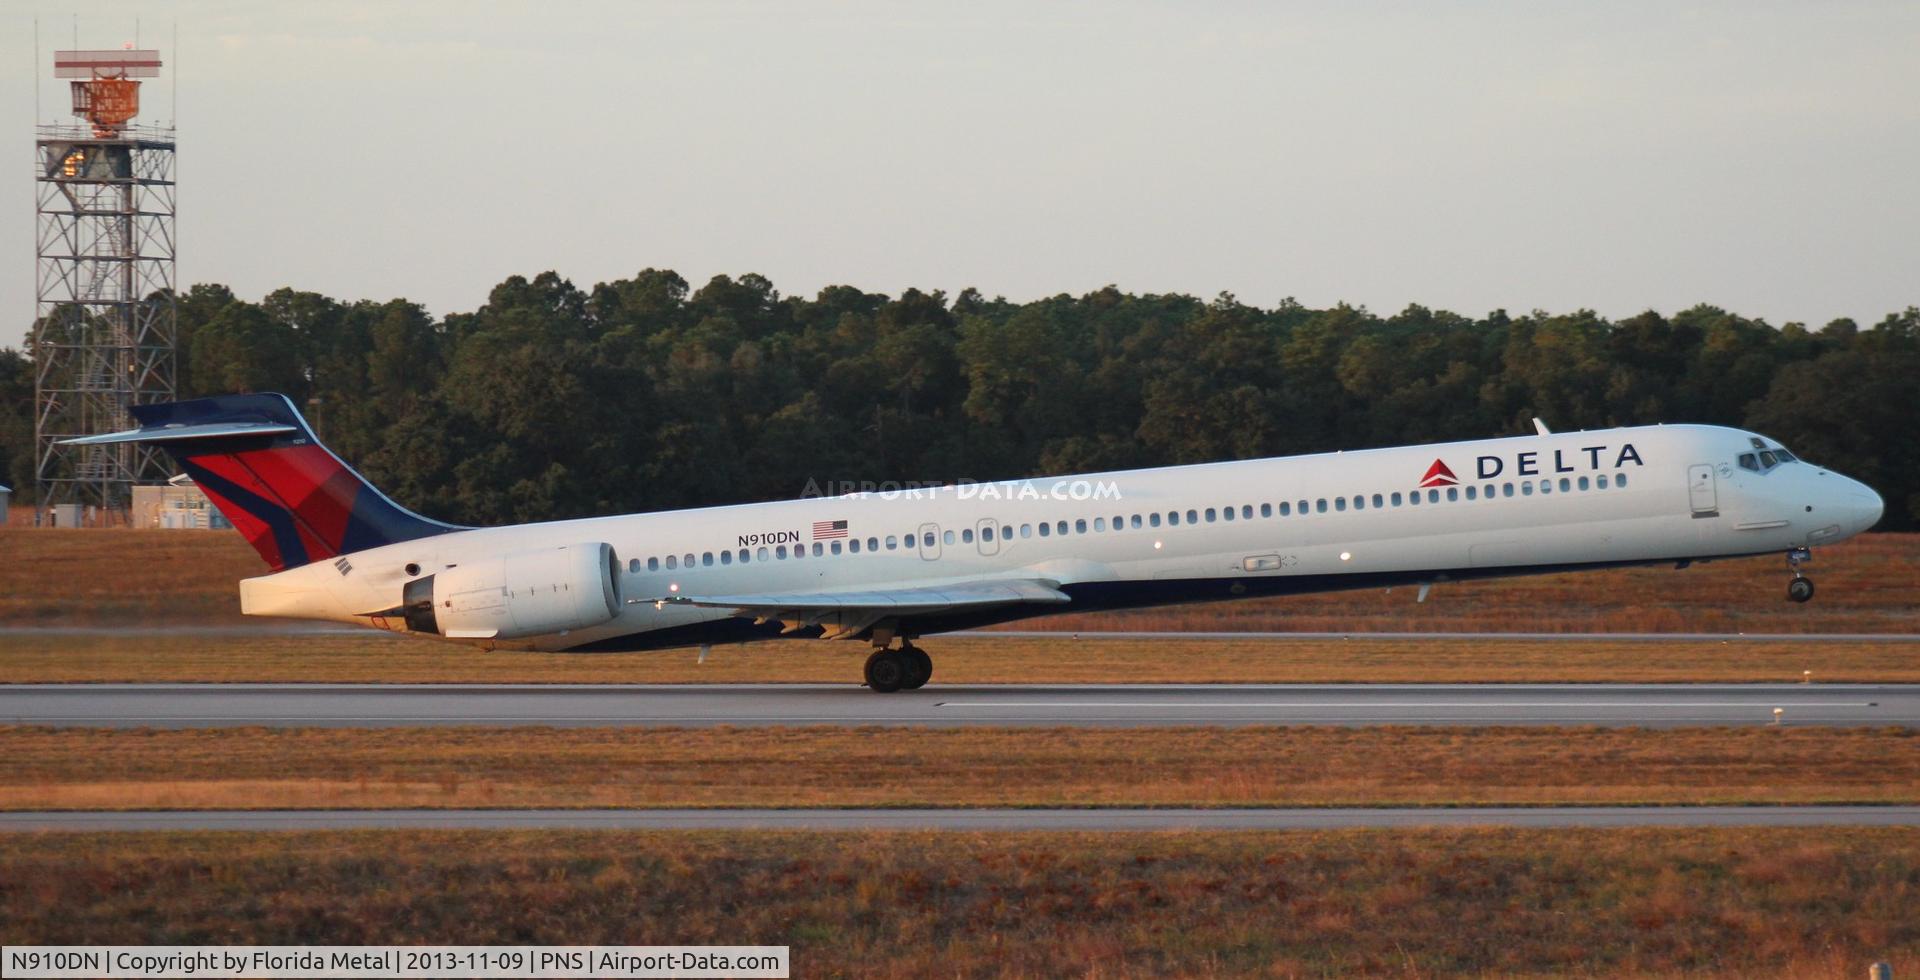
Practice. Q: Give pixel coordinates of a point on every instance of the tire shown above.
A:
(1800, 589)
(919, 669)
(886, 671)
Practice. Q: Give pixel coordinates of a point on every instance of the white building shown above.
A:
(180, 505)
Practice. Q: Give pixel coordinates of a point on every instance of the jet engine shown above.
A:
(527, 593)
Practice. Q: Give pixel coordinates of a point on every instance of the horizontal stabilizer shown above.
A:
(169, 433)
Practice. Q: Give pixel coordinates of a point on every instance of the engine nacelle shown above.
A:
(528, 593)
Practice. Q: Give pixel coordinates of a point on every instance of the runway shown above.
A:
(974, 820)
(399, 706)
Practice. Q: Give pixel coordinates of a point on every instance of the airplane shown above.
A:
(888, 567)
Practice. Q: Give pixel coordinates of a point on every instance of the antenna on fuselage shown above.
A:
(1540, 427)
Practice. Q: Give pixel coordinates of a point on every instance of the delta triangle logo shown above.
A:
(1438, 475)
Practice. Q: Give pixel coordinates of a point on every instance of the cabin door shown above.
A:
(1701, 493)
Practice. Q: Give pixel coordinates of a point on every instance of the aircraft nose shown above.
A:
(1864, 506)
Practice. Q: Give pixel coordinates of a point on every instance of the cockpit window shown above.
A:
(1769, 460)
(1785, 457)
(1749, 462)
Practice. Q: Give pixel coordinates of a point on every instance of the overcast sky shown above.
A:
(1620, 156)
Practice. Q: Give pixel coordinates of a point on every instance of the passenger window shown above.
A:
(1227, 513)
(761, 555)
(1359, 501)
(986, 533)
(1506, 489)
(1246, 512)
(946, 536)
(835, 548)
(1135, 521)
(633, 565)
(1060, 527)
(1453, 493)
(687, 562)
(1099, 523)
(1286, 509)
(1080, 526)
(1566, 485)
(1154, 518)
(1320, 506)
(1046, 530)
(1526, 489)
(1601, 480)
(1266, 510)
(1302, 505)
(1210, 516)
(1619, 479)
(1397, 501)
(780, 552)
(706, 558)
(1026, 530)
(1173, 518)
(1193, 517)
(672, 562)
(966, 535)
(1433, 496)
(726, 558)
(745, 556)
(873, 544)
(653, 564)
(1546, 486)
(892, 542)
(853, 545)
(1378, 502)
(1470, 493)
(926, 542)
(1413, 499)
(1119, 522)
(1585, 484)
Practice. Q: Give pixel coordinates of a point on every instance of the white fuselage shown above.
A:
(1219, 530)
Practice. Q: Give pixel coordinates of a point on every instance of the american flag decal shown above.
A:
(829, 529)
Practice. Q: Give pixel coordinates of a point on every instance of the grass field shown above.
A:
(1869, 585)
(371, 657)
(44, 768)
(1739, 902)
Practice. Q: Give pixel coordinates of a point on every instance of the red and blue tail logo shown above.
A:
(258, 462)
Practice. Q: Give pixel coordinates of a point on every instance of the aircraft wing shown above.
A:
(846, 613)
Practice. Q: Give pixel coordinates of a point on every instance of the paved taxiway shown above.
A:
(968, 819)
(393, 705)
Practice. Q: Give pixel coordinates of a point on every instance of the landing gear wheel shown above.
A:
(887, 671)
(1800, 589)
(919, 668)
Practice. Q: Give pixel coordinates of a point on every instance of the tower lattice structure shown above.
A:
(105, 324)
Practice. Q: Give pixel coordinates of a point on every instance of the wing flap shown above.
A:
(812, 605)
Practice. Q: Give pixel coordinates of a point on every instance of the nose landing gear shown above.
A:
(1800, 588)
(905, 669)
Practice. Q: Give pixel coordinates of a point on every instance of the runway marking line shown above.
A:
(1406, 704)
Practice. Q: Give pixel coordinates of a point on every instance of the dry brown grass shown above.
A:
(44, 768)
(371, 657)
(1868, 585)
(1729, 902)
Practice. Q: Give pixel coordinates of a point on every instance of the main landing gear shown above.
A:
(1800, 588)
(905, 669)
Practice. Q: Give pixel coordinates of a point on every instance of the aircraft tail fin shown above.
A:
(256, 459)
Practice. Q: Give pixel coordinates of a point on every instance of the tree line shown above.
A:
(552, 401)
